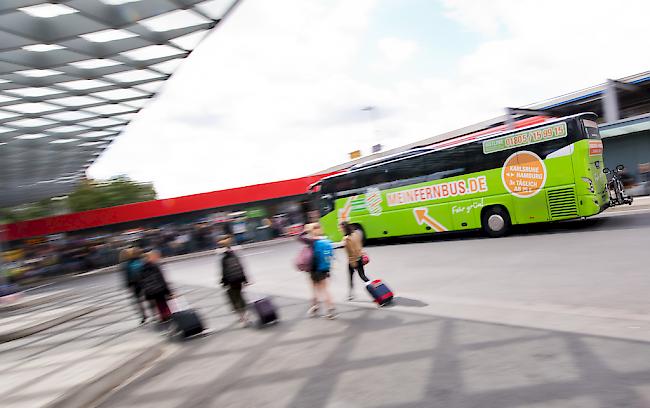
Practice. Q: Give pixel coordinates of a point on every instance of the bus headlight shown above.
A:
(591, 183)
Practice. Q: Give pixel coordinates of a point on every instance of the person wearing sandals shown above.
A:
(320, 270)
(353, 243)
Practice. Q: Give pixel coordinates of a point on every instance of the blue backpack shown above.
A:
(323, 253)
(133, 269)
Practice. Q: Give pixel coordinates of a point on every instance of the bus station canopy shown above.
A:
(73, 73)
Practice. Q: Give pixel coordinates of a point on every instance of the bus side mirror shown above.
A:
(606, 170)
(620, 167)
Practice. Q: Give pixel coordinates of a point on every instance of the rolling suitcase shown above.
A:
(186, 320)
(380, 292)
(187, 323)
(265, 311)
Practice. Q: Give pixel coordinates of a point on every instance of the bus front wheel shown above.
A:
(496, 221)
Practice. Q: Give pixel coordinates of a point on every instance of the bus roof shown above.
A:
(502, 130)
(482, 135)
(399, 155)
(520, 124)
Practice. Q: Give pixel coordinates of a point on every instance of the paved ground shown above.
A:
(384, 358)
(587, 276)
(38, 369)
(412, 355)
(30, 314)
(546, 318)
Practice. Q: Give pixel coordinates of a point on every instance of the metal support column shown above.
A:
(610, 102)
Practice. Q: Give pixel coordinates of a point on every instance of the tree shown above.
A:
(89, 195)
(43, 208)
(92, 194)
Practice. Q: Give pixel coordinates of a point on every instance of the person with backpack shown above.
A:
(320, 271)
(132, 267)
(353, 243)
(233, 278)
(154, 285)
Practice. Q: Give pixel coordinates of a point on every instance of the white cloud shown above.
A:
(553, 47)
(396, 51)
(270, 71)
(481, 16)
(276, 92)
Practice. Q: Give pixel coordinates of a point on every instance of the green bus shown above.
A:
(549, 171)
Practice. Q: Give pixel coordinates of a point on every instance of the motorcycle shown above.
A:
(617, 195)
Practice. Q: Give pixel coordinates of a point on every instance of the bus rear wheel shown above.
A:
(496, 221)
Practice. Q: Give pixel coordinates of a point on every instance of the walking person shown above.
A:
(233, 278)
(320, 271)
(306, 258)
(131, 260)
(155, 287)
(353, 242)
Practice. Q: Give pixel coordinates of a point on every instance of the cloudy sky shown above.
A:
(277, 91)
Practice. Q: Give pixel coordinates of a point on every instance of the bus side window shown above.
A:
(404, 169)
(378, 176)
(345, 183)
(444, 163)
(373, 176)
(363, 178)
(326, 204)
(478, 161)
(474, 158)
(429, 164)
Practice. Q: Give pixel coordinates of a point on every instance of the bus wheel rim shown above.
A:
(496, 222)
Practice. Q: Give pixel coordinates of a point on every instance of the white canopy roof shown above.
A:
(74, 73)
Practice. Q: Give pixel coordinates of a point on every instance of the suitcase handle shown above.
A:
(178, 304)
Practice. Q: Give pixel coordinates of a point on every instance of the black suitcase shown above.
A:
(265, 311)
(187, 323)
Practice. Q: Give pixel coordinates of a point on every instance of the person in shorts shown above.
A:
(320, 271)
